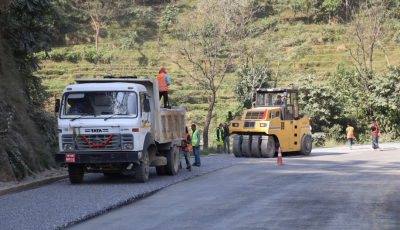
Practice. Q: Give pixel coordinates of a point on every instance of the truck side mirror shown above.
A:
(146, 105)
(57, 106)
(230, 116)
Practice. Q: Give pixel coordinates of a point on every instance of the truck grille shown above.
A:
(249, 124)
(114, 143)
(254, 115)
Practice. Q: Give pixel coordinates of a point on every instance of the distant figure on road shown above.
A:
(163, 83)
(350, 134)
(219, 137)
(196, 145)
(184, 150)
(375, 136)
(226, 138)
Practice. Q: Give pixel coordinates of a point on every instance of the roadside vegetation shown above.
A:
(217, 54)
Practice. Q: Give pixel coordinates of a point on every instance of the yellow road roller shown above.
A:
(274, 122)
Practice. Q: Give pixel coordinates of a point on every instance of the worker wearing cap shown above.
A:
(163, 83)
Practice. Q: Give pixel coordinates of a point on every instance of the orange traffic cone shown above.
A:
(279, 161)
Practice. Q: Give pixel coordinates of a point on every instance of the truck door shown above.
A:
(145, 122)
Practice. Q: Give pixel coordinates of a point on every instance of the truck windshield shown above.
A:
(99, 105)
(270, 99)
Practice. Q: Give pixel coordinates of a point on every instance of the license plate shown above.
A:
(70, 158)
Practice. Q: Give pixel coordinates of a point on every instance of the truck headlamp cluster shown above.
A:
(68, 147)
(235, 124)
(128, 146)
(263, 124)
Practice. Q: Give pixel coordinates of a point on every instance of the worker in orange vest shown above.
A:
(350, 134)
(184, 150)
(163, 83)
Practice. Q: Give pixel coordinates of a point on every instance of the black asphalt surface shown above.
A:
(358, 190)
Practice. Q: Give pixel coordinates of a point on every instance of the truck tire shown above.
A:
(76, 173)
(306, 145)
(172, 161)
(142, 170)
(237, 146)
(268, 146)
(256, 146)
(246, 146)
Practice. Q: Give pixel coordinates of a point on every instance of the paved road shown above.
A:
(357, 190)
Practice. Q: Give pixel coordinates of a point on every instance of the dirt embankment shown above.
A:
(22, 148)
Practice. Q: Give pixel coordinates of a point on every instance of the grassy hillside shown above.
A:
(327, 53)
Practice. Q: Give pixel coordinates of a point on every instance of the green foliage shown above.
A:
(168, 16)
(56, 56)
(295, 7)
(331, 6)
(318, 139)
(154, 61)
(131, 41)
(279, 6)
(47, 125)
(336, 133)
(318, 101)
(250, 77)
(73, 57)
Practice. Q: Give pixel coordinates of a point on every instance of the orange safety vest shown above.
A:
(162, 85)
(350, 132)
(188, 146)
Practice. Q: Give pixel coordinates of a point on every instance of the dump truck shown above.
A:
(273, 123)
(115, 126)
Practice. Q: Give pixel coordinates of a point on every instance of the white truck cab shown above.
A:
(116, 125)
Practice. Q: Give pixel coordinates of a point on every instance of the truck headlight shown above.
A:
(235, 124)
(68, 147)
(128, 146)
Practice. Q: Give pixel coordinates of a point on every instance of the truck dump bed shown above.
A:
(167, 125)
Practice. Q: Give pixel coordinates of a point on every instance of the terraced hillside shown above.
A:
(327, 52)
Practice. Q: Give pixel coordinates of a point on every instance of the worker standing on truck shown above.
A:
(163, 83)
(196, 145)
(219, 137)
(184, 150)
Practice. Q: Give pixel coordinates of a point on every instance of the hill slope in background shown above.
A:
(326, 53)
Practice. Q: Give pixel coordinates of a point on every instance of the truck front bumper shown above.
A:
(97, 157)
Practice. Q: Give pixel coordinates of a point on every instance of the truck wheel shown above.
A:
(76, 173)
(256, 146)
(142, 171)
(237, 146)
(172, 161)
(246, 146)
(268, 146)
(306, 145)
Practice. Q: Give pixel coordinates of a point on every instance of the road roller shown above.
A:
(273, 123)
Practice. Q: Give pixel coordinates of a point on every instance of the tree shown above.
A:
(134, 41)
(99, 11)
(206, 44)
(168, 16)
(295, 7)
(279, 6)
(331, 7)
(367, 29)
(250, 77)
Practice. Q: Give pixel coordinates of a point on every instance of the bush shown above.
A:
(41, 55)
(91, 56)
(153, 62)
(56, 56)
(318, 139)
(143, 61)
(73, 57)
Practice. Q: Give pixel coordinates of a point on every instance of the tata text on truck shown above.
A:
(115, 126)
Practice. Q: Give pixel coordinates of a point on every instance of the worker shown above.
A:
(75, 107)
(279, 100)
(163, 83)
(196, 145)
(218, 137)
(184, 150)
